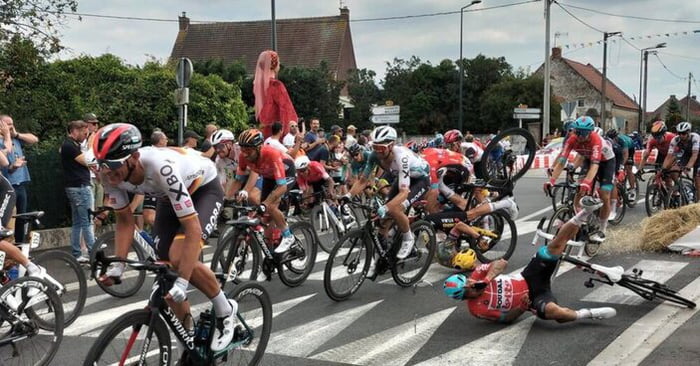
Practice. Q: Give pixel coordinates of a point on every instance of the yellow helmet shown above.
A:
(465, 260)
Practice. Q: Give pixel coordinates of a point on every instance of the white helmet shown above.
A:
(684, 127)
(301, 162)
(383, 134)
(221, 136)
(599, 131)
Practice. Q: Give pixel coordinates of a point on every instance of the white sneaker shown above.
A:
(407, 241)
(591, 204)
(612, 215)
(602, 313)
(285, 244)
(223, 332)
(83, 259)
(113, 276)
(597, 237)
(372, 270)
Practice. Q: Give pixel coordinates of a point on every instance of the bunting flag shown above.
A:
(613, 40)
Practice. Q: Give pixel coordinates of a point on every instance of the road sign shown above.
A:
(386, 109)
(385, 118)
(184, 72)
(569, 107)
(526, 116)
(527, 110)
(182, 96)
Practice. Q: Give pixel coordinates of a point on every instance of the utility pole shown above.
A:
(687, 100)
(274, 27)
(606, 35)
(545, 108)
(644, 106)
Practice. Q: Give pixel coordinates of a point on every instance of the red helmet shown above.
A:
(116, 142)
(453, 136)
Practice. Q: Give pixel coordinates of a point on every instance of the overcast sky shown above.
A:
(515, 32)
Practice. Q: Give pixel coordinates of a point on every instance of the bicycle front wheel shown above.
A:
(67, 271)
(295, 271)
(127, 338)
(406, 272)
(324, 227)
(238, 257)
(347, 265)
(36, 332)
(620, 207)
(132, 279)
(255, 318)
(650, 290)
(654, 199)
(502, 246)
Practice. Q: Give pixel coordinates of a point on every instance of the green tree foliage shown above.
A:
(34, 20)
(232, 73)
(314, 92)
(673, 112)
(363, 94)
(480, 73)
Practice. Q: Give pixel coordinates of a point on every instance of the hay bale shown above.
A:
(622, 239)
(668, 226)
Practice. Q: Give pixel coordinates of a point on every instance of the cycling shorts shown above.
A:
(149, 202)
(418, 188)
(446, 220)
(538, 274)
(478, 173)
(208, 202)
(269, 184)
(606, 171)
(630, 158)
(659, 159)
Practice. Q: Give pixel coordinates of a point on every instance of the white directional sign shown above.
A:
(527, 110)
(385, 118)
(526, 116)
(386, 109)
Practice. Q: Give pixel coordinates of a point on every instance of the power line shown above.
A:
(579, 20)
(633, 16)
(681, 56)
(667, 69)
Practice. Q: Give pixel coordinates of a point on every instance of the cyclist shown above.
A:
(190, 201)
(442, 158)
(623, 147)
(661, 140)
(453, 141)
(474, 153)
(312, 174)
(411, 183)
(600, 160)
(491, 295)
(685, 146)
(274, 167)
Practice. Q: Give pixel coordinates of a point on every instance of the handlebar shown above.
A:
(539, 233)
(155, 267)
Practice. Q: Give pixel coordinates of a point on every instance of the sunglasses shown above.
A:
(582, 133)
(380, 148)
(219, 147)
(683, 133)
(112, 164)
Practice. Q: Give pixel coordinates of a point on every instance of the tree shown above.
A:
(314, 92)
(35, 20)
(673, 112)
(232, 73)
(480, 73)
(363, 94)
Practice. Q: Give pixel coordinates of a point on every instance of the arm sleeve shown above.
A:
(405, 169)
(70, 151)
(596, 148)
(480, 272)
(116, 198)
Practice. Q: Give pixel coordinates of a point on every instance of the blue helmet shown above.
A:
(454, 286)
(583, 126)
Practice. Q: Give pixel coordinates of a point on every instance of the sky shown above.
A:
(515, 32)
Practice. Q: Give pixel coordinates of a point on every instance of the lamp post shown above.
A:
(643, 84)
(606, 35)
(273, 26)
(461, 67)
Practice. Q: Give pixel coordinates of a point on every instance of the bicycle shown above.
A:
(587, 229)
(660, 196)
(646, 288)
(327, 220)
(245, 252)
(351, 257)
(143, 336)
(66, 274)
(513, 162)
(562, 194)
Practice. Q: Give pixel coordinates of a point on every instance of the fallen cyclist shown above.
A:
(495, 296)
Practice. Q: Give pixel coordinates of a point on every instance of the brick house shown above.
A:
(575, 82)
(661, 111)
(301, 42)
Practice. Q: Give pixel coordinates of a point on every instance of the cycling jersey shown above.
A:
(502, 294)
(315, 173)
(440, 158)
(684, 149)
(357, 167)
(270, 165)
(662, 145)
(479, 151)
(172, 172)
(7, 201)
(225, 169)
(596, 148)
(406, 165)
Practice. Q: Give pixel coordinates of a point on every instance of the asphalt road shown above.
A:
(383, 324)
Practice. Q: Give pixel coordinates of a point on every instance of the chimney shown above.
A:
(694, 97)
(184, 21)
(344, 12)
(556, 53)
(673, 96)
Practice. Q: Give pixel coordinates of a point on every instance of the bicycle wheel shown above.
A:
(36, 331)
(654, 199)
(239, 257)
(620, 207)
(410, 270)
(559, 218)
(688, 191)
(347, 265)
(295, 271)
(67, 271)
(327, 231)
(559, 197)
(508, 156)
(654, 290)
(632, 203)
(502, 246)
(132, 280)
(255, 318)
(592, 226)
(127, 338)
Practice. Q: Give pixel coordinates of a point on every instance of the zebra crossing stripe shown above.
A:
(395, 346)
(644, 335)
(283, 306)
(302, 340)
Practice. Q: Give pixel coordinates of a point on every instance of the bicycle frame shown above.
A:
(327, 213)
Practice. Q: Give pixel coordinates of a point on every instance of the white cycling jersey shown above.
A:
(688, 146)
(225, 169)
(479, 151)
(406, 165)
(171, 172)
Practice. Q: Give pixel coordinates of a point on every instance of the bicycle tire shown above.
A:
(243, 294)
(528, 148)
(407, 272)
(132, 279)
(293, 273)
(46, 314)
(621, 207)
(327, 234)
(559, 195)
(501, 247)
(632, 203)
(655, 290)
(66, 270)
(106, 351)
(353, 252)
(239, 254)
(654, 199)
(559, 218)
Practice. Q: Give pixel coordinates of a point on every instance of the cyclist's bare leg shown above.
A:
(553, 311)
(432, 205)
(254, 196)
(605, 210)
(14, 253)
(395, 209)
(630, 176)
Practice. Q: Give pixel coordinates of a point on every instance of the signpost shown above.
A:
(523, 112)
(182, 93)
(385, 114)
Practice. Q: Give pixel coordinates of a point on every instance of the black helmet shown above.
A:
(612, 133)
(116, 142)
(355, 149)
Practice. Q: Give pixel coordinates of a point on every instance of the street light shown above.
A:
(606, 35)
(461, 67)
(644, 56)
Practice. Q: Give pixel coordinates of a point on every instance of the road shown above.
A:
(383, 324)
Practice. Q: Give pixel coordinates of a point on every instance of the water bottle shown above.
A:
(13, 273)
(203, 328)
(147, 238)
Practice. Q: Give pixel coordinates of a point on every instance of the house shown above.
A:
(301, 42)
(582, 84)
(662, 110)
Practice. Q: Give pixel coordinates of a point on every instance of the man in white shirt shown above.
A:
(289, 139)
(274, 140)
(350, 136)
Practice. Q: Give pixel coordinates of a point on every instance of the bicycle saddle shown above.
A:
(613, 273)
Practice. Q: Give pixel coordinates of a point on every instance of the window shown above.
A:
(581, 103)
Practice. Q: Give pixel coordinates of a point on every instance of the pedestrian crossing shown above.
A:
(384, 324)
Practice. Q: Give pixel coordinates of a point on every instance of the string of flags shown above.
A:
(572, 46)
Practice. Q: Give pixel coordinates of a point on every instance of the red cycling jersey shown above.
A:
(439, 158)
(315, 173)
(661, 146)
(269, 164)
(595, 148)
(503, 294)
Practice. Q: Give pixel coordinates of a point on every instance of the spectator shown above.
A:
(312, 140)
(191, 139)
(350, 136)
(322, 133)
(17, 172)
(207, 149)
(274, 140)
(86, 147)
(77, 182)
(272, 101)
(290, 138)
(337, 130)
(159, 139)
(367, 134)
